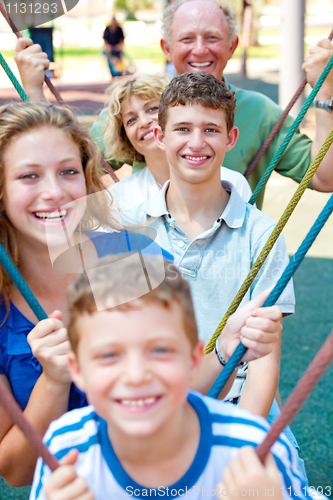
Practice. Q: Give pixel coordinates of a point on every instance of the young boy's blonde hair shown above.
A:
(201, 88)
(146, 87)
(115, 283)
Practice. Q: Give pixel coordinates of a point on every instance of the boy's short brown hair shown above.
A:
(110, 284)
(197, 88)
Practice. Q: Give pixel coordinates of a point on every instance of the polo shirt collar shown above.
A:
(233, 214)
(156, 206)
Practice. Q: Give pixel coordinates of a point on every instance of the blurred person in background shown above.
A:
(114, 41)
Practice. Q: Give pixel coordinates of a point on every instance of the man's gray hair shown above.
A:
(227, 9)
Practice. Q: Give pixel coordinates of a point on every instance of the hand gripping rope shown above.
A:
(19, 35)
(304, 387)
(275, 294)
(48, 82)
(261, 184)
(294, 402)
(269, 139)
(272, 239)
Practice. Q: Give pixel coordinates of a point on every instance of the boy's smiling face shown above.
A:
(195, 140)
(136, 367)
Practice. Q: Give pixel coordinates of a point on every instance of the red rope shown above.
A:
(34, 438)
(269, 139)
(302, 390)
(109, 169)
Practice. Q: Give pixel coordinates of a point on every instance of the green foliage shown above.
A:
(132, 6)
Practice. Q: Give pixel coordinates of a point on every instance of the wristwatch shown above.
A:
(221, 359)
(326, 105)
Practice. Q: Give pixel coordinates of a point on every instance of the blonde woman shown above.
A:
(132, 115)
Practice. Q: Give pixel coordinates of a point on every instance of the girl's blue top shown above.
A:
(17, 362)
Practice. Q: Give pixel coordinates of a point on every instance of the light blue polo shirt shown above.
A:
(217, 261)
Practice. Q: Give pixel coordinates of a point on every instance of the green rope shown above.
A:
(276, 158)
(13, 79)
(272, 239)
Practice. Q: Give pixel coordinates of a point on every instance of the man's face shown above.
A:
(199, 39)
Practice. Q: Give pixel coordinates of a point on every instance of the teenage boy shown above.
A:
(145, 435)
(214, 235)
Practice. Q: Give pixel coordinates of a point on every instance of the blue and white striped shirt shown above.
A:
(224, 429)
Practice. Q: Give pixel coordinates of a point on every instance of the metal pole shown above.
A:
(292, 52)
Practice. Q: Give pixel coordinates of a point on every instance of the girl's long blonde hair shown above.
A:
(146, 87)
(20, 118)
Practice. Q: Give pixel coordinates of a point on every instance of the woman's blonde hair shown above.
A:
(146, 87)
(20, 118)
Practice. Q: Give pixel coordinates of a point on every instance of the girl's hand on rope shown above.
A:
(258, 328)
(246, 474)
(49, 343)
(314, 64)
(65, 484)
(32, 63)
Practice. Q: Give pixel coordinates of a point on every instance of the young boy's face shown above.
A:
(195, 140)
(135, 366)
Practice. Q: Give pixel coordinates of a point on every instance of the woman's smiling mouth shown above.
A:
(148, 135)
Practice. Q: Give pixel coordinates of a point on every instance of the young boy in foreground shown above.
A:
(145, 434)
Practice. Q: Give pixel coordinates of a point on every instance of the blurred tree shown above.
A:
(131, 6)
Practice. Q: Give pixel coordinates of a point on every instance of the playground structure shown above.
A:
(282, 222)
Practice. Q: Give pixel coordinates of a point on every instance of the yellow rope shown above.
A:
(272, 239)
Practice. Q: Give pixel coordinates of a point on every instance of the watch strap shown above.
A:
(326, 105)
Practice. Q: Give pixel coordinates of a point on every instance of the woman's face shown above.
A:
(140, 117)
(43, 172)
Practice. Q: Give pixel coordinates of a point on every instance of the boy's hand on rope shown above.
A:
(246, 475)
(65, 484)
(49, 343)
(258, 328)
(314, 64)
(32, 63)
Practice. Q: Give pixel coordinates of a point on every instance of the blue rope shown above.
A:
(261, 184)
(275, 294)
(21, 284)
(13, 79)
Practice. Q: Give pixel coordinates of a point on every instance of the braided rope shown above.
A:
(48, 82)
(21, 284)
(272, 239)
(302, 390)
(13, 79)
(287, 274)
(261, 184)
(271, 136)
(14, 411)
(19, 35)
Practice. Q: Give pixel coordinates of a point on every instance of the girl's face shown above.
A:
(43, 172)
(140, 117)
